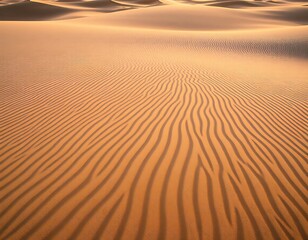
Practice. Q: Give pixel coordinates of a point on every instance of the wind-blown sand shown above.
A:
(141, 119)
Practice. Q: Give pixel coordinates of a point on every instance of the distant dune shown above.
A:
(147, 119)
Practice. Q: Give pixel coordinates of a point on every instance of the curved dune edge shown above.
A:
(29, 11)
(200, 18)
(206, 15)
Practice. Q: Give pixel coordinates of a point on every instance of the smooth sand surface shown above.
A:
(147, 119)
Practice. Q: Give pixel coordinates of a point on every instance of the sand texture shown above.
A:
(148, 119)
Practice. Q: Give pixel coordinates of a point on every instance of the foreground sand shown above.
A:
(175, 121)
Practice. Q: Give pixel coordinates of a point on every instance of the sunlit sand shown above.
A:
(147, 119)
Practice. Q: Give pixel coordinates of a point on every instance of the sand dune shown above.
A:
(169, 120)
(27, 10)
(203, 18)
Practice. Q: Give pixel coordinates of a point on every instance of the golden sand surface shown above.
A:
(148, 119)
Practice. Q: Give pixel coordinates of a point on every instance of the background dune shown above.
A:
(153, 119)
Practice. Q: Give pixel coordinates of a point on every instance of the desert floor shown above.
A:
(147, 119)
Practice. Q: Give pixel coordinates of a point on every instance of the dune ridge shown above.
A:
(116, 128)
(250, 11)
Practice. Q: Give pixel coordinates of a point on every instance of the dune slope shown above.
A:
(133, 125)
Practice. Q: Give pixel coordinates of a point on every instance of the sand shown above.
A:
(147, 119)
